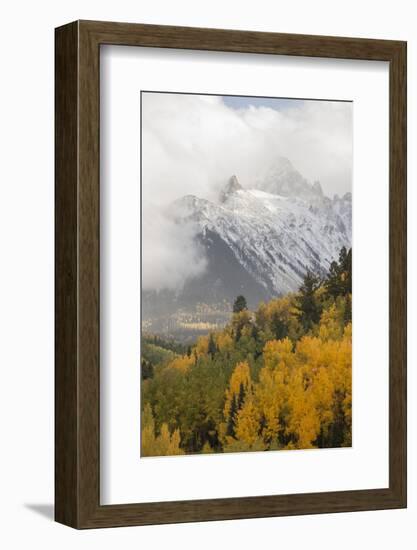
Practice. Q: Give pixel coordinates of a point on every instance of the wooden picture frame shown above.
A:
(77, 373)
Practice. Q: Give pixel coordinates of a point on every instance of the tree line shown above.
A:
(276, 378)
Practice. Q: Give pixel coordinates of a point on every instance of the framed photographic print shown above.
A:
(230, 274)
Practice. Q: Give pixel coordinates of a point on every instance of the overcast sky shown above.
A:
(192, 144)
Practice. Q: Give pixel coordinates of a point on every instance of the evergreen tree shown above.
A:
(240, 304)
(310, 308)
(146, 369)
(255, 332)
(241, 396)
(348, 271)
(239, 322)
(333, 283)
(212, 348)
(343, 259)
(230, 430)
(339, 278)
(279, 328)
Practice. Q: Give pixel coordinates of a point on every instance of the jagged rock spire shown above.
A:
(232, 186)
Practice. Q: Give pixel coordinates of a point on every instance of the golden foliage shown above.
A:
(165, 444)
(182, 363)
(240, 378)
(331, 322)
(264, 382)
(201, 347)
(224, 341)
(281, 310)
(247, 423)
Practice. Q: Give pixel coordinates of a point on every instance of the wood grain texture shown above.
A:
(398, 273)
(78, 285)
(66, 238)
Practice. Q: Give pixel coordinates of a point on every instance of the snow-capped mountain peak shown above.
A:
(282, 178)
(231, 187)
(268, 235)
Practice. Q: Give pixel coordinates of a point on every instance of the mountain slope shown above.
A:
(274, 238)
(258, 242)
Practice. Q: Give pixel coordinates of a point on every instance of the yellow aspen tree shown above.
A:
(182, 363)
(173, 447)
(331, 323)
(323, 396)
(322, 379)
(270, 395)
(247, 423)
(201, 347)
(240, 377)
(283, 309)
(165, 444)
(304, 423)
(148, 447)
(224, 341)
(271, 392)
(343, 376)
(278, 354)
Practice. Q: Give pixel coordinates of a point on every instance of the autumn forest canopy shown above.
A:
(275, 378)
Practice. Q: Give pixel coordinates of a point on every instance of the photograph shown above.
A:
(246, 290)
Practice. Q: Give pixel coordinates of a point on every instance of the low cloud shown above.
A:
(170, 253)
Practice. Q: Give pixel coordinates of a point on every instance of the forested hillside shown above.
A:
(275, 378)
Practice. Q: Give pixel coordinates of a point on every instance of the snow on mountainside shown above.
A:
(258, 242)
(276, 231)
